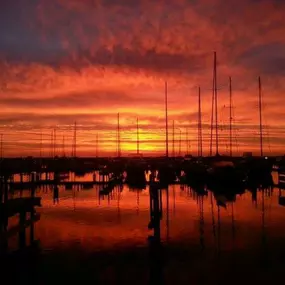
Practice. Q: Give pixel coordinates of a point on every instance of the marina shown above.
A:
(142, 142)
(215, 232)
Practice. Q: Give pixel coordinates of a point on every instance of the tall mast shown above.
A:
(260, 117)
(179, 142)
(54, 142)
(51, 143)
(200, 143)
(72, 148)
(119, 138)
(74, 139)
(187, 146)
(166, 119)
(1, 146)
(97, 144)
(231, 117)
(173, 139)
(216, 103)
(212, 112)
(41, 144)
(63, 146)
(138, 138)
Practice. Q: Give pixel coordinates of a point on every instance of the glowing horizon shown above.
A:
(85, 61)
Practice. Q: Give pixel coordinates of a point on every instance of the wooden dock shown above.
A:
(21, 227)
(281, 178)
(24, 208)
(66, 184)
(18, 205)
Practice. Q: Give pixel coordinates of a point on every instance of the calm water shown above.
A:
(86, 239)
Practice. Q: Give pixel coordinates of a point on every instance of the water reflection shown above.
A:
(201, 236)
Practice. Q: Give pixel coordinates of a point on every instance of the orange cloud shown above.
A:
(86, 61)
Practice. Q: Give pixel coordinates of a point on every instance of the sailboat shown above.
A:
(166, 171)
(223, 177)
(259, 169)
(195, 170)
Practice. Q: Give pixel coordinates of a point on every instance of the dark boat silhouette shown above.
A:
(195, 175)
(166, 175)
(136, 178)
(259, 173)
(226, 178)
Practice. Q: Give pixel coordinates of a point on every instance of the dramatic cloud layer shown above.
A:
(63, 61)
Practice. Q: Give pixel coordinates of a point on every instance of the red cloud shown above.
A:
(104, 56)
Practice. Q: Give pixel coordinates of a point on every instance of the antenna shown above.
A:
(138, 138)
(166, 119)
(260, 117)
(231, 117)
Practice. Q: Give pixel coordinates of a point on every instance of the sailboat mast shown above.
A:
(212, 113)
(51, 143)
(97, 144)
(54, 142)
(166, 120)
(119, 139)
(173, 139)
(138, 138)
(63, 146)
(216, 103)
(200, 143)
(1, 146)
(231, 118)
(179, 142)
(74, 139)
(187, 146)
(260, 117)
(41, 144)
(72, 149)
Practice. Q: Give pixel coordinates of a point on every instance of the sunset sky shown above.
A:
(63, 61)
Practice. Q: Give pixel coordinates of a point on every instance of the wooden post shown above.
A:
(33, 188)
(38, 177)
(1, 204)
(32, 214)
(5, 220)
(5, 188)
(1, 189)
(32, 229)
(22, 231)
(22, 185)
